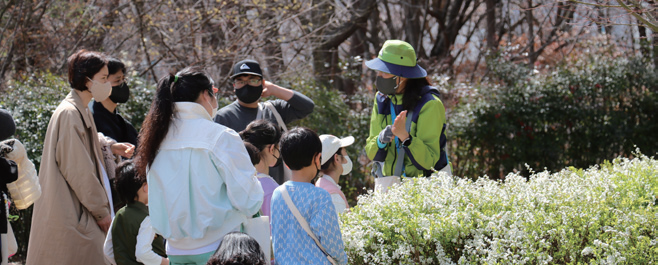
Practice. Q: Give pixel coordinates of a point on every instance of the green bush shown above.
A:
(31, 101)
(603, 215)
(580, 114)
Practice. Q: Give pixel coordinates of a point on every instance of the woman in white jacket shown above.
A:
(202, 184)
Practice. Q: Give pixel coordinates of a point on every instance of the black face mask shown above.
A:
(279, 159)
(387, 85)
(120, 93)
(249, 94)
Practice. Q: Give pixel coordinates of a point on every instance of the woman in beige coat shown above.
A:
(71, 218)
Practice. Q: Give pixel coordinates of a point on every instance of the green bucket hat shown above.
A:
(397, 58)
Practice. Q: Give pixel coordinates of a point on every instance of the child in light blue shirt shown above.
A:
(301, 150)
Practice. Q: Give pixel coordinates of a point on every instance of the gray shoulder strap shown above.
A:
(279, 120)
(399, 161)
(259, 116)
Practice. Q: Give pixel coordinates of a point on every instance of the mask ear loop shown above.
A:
(90, 80)
(274, 148)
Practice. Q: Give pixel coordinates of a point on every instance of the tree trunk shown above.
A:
(325, 54)
(492, 44)
(531, 36)
(412, 28)
(644, 41)
(654, 39)
(357, 48)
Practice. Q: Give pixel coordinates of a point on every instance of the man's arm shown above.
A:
(293, 106)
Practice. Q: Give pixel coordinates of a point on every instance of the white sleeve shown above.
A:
(339, 203)
(234, 165)
(144, 250)
(108, 247)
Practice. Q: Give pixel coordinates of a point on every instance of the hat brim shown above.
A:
(398, 70)
(245, 73)
(347, 141)
(329, 148)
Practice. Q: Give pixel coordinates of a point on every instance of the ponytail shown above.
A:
(186, 86)
(156, 124)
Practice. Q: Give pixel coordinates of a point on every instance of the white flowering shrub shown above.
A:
(602, 215)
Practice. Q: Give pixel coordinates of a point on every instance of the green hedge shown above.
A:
(593, 109)
(603, 215)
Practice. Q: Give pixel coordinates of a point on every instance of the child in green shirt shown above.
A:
(131, 238)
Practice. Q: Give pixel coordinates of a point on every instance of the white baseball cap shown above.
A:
(331, 144)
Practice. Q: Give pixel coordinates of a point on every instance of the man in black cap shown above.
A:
(249, 87)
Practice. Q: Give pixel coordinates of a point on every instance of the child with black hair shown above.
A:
(131, 238)
(305, 227)
(238, 249)
(261, 138)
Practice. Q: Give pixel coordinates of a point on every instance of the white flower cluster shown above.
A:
(603, 215)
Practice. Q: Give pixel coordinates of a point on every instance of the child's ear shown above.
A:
(145, 187)
(318, 159)
(337, 159)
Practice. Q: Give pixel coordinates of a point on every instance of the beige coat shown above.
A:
(64, 228)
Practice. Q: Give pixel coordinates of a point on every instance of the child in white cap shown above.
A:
(335, 163)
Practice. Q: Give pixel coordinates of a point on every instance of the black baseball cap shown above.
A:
(246, 67)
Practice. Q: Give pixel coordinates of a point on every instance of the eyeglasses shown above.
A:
(251, 82)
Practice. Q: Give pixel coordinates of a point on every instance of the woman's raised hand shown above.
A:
(399, 124)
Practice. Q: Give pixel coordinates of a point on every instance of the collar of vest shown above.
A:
(384, 101)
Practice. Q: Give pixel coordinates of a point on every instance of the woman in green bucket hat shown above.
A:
(408, 122)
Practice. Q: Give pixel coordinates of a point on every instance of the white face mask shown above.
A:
(100, 91)
(214, 109)
(347, 167)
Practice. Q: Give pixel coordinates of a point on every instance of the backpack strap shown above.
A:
(383, 104)
(427, 94)
(277, 116)
(259, 114)
(279, 120)
(303, 223)
(399, 162)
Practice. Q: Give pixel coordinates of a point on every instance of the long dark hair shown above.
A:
(237, 249)
(412, 91)
(186, 86)
(260, 134)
